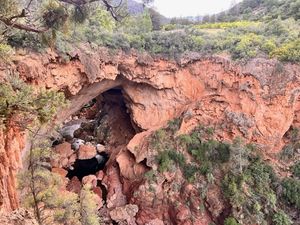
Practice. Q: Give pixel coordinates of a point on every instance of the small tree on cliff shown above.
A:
(88, 207)
(238, 156)
(44, 191)
(22, 106)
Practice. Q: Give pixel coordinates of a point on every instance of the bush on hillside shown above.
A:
(291, 191)
(281, 218)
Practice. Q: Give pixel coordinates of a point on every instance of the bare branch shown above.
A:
(9, 22)
(28, 5)
(12, 21)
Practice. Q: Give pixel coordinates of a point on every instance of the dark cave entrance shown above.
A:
(85, 167)
(105, 121)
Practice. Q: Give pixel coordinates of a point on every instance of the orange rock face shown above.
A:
(12, 142)
(254, 101)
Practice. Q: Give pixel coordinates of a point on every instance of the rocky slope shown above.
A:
(257, 101)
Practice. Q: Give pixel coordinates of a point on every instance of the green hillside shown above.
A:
(252, 28)
(262, 10)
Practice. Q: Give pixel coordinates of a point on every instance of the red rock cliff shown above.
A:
(257, 101)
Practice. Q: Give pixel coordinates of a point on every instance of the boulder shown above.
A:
(68, 131)
(125, 214)
(100, 175)
(77, 143)
(64, 150)
(74, 185)
(90, 180)
(155, 222)
(86, 152)
(72, 158)
(100, 148)
(60, 171)
(183, 213)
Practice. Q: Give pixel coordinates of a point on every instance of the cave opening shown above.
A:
(100, 126)
(85, 167)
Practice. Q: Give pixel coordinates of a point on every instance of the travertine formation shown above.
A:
(257, 101)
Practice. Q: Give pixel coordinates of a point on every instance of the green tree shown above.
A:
(238, 156)
(44, 191)
(88, 207)
(280, 218)
(156, 18)
(20, 103)
(22, 106)
(137, 25)
(54, 13)
(230, 221)
(296, 169)
(291, 191)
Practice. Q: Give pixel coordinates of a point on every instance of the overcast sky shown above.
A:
(177, 8)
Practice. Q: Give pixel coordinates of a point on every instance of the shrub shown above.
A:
(18, 98)
(209, 152)
(289, 151)
(289, 51)
(269, 46)
(189, 172)
(164, 161)
(177, 157)
(174, 125)
(251, 193)
(89, 208)
(5, 51)
(232, 186)
(186, 139)
(169, 27)
(225, 25)
(291, 191)
(8, 8)
(280, 218)
(26, 40)
(247, 47)
(230, 221)
(296, 169)
(167, 158)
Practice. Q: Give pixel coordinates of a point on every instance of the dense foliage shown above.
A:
(240, 37)
(88, 206)
(262, 9)
(249, 184)
(21, 102)
(42, 190)
(291, 191)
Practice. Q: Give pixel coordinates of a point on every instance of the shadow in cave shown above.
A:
(114, 123)
(111, 126)
(85, 167)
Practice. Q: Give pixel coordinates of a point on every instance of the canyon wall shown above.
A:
(257, 101)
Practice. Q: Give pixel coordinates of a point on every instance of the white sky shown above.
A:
(177, 8)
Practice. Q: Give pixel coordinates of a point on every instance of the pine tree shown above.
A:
(238, 156)
(22, 104)
(44, 191)
(88, 207)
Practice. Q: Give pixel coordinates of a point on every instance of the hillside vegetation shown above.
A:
(244, 35)
(262, 10)
(251, 186)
